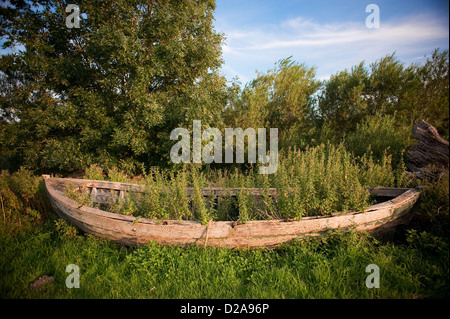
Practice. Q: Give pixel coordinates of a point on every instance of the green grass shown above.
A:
(328, 267)
(33, 244)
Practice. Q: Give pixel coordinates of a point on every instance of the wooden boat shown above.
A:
(128, 230)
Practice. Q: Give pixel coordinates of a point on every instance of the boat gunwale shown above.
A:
(407, 194)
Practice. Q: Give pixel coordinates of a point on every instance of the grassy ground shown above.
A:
(329, 267)
(32, 244)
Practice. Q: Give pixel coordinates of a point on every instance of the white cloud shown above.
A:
(332, 47)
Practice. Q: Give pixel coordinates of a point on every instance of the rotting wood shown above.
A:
(131, 231)
(430, 155)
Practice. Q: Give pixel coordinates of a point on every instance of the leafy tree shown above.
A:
(386, 88)
(430, 100)
(110, 91)
(280, 98)
(342, 101)
(378, 134)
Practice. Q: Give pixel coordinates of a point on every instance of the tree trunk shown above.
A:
(430, 156)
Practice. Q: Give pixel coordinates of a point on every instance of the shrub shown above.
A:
(180, 202)
(376, 173)
(81, 196)
(319, 181)
(116, 175)
(22, 197)
(378, 136)
(316, 181)
(434, 205)
(95, 172)
(199, 208)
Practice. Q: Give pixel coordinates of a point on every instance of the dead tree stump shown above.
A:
(429, 157)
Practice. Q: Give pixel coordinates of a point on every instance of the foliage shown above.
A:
(198, 203)
(428, 242)
(94, 172)
(316, 181)
(434, 203)
(280, 98)
(104, 98)
(109, 92)
(326, 179)
(332, 266)
(387, 88)
(378, 135)
(342, 101)
(430, 100)
(23, 199)
(79, 195)
(64, 230)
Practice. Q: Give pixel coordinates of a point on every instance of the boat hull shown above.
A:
(128, 230)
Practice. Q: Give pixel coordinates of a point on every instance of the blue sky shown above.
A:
(329, 34)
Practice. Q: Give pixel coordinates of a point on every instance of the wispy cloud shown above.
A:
(333, 47)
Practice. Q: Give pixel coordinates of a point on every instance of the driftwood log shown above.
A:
(429, 157)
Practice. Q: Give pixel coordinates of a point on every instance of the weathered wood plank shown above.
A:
(430, 149)
(132, 231)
